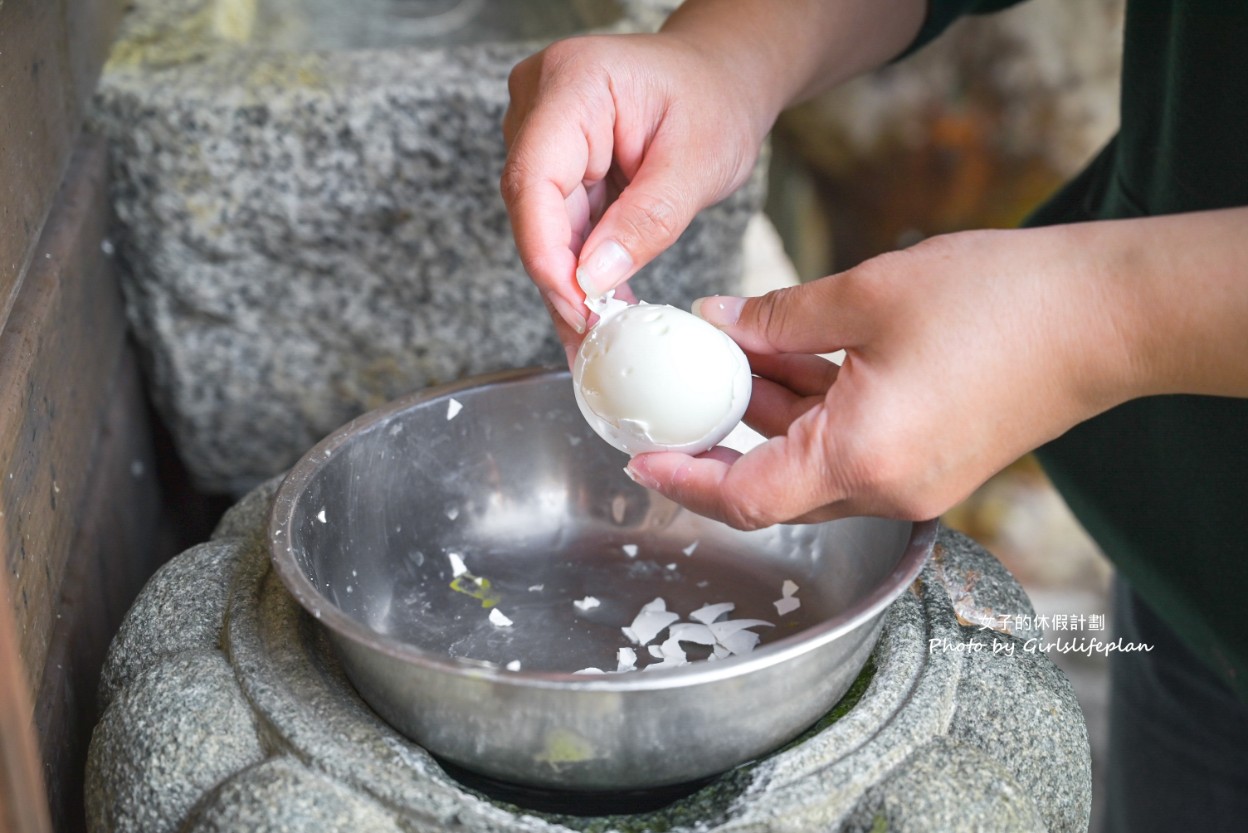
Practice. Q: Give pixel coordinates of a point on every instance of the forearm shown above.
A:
(784, 52)
(1178, 287)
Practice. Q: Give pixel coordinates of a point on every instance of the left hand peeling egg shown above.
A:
(656, 378)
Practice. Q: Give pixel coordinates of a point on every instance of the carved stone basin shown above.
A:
(226, 709)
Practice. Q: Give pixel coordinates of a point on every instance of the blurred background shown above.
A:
(973, 131)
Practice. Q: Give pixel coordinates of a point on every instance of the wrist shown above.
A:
(1173, 291)
(787, 52)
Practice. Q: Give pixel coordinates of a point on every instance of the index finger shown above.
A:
(541, 222)
(552, 162)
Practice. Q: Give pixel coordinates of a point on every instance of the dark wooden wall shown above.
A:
(84, 510)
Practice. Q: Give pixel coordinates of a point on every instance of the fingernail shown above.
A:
(567, 312)
(604, 269)
(640, 477)
(720, 310)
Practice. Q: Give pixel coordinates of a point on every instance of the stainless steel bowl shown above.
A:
(503, 473)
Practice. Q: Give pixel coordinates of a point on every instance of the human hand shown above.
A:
(615, 144)
(962, 354)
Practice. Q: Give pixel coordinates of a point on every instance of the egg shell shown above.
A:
(657, 378)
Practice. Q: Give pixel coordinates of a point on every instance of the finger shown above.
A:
(647, 217)
(579, 210)
(785, 479)
(568, 336)
(721, 453)
(520, 86)
(773, 407)
(601, 194)
(554, 154)
(816, 317)
(802, 373)
(545, 240)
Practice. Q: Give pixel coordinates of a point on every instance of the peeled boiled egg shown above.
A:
(652, 377)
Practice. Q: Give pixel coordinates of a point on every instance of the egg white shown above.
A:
(656, 378)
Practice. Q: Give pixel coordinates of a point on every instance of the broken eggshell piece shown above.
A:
(656, 378)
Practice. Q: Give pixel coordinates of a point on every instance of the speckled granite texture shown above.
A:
(226, 710)
(310, 233)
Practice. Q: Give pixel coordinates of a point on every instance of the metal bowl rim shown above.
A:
(915, 554)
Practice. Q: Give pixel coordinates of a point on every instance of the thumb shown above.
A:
(649, 214)
(816, 317)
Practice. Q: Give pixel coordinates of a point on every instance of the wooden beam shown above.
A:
(58, 353)
(51, 52)
(23, 808)
(116, 548)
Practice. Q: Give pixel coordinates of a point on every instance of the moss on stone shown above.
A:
(710, 805)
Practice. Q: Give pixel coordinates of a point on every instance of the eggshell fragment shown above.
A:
(709, 613)
(734, 634)
(669, 654)
(741, 642)
(787, 603)
(690, 632)
(650, 622)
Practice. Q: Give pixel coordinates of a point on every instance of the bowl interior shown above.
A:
(505, 480)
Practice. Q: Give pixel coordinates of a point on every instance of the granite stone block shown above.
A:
(181, 608)
(169, 736)
(948, 786)
(307, 234)
(310, 802)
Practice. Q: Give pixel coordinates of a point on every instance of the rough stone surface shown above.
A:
(181, 609)
(310, 802)
(168, 737)
(1010, 707)
(952, 737)
(947, 785)
(984, 594)
(308, 234)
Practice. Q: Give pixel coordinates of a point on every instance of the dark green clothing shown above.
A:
(1177, 750)
(1162, 482)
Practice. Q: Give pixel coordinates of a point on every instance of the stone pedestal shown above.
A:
(227, 710)
(311, 223)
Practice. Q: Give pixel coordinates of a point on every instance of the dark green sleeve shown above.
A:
(942, 13)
